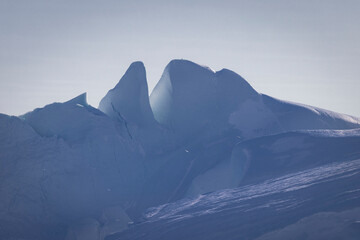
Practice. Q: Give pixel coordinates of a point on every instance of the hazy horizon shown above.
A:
(306, 52)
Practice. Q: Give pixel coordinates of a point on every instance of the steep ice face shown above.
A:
(193, 101)
(128, 101)
(69, 156)
(185, 97)
(226, 174)
(13, 130)
(26, 160)
(128, 104)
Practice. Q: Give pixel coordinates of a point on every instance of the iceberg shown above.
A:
(203, 138)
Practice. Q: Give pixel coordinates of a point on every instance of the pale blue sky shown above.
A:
(303, 51)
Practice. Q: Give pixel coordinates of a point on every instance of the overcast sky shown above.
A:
(302, 51)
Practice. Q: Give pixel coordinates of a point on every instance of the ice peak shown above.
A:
(81, 99)
(129, 99)
(233, 83)
(183, 62)
(183, 66)
(190, 89)
(137, 64)
(229, 73)
(135, 72)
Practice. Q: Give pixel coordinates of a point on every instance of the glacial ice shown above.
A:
(128, 101)
(63, 166)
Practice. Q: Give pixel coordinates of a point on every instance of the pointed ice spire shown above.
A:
(81, 99)
(129, 100)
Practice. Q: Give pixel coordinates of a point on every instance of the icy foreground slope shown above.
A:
(317, 203)
(69, 170)
(262, 158)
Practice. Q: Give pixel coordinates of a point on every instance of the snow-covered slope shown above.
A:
(284, 153)
(269, 210)
(266, 157)
(294, 116)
